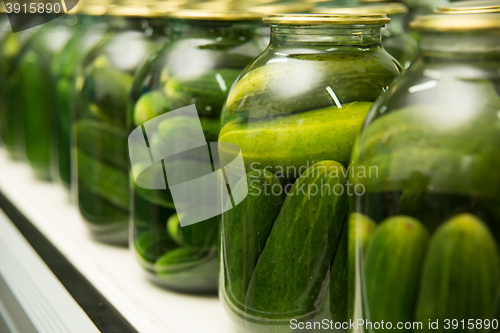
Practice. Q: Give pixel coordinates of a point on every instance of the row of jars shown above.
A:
(366, 193)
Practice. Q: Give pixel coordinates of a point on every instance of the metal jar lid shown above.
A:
(327, 19)
(470, 7)
(457, 22)
(208, 15)
(389, 8)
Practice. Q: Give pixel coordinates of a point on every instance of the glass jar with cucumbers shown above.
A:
(11, 100)
(31, 106)
(295, 113)
(100, 159)
(424, 236)
(205, 54)
(65, 66)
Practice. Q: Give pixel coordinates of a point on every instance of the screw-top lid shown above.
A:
(283, 8)
(389, 8)
(209, 15)
(458, 22)
(470, 7)
(327, 19)
(140, 8)
(266, 7)
(2, 8)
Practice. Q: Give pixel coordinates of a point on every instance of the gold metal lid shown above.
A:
(458, 22)
(283, 8)
(3, 10)
(265, 7)
(470, 7)
(326, 19)
(389, 8)
(208, 15)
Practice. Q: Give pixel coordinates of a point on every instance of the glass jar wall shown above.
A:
(394, 37)
(205, 54)
(295, 113)
(100, 159)
(424, 235)
(66, 65)
(37, 94)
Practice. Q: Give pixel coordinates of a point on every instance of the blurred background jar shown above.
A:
(37, 90)
(11, 109)
(206, 52)
(295, 113)
(394, 37)
(425, 231)
(89, 30)
(100, 159)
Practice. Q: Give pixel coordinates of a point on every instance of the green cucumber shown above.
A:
(291, 272)
(149, 106)
(108, 91)
(208, 91)
(246, 228)
(96, 210)
(461, 274)
(297, 140)
(148, 178)
(103, 180)
(306, 82)
(173, 229)
(188, 269)
(392, 267)
(151, 245)
(169, 129)
(38, 120)
(354, 238)
(103, 142)
(201, 235)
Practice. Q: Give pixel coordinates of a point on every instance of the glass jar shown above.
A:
(11, 101)
(37, 91)
(295, 113)
(394, 37)
(100, 160)
(430, 149)
(66, 64)
(206, 52)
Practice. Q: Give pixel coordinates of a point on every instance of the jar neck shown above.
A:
(337, 35)
(465, 45)
(185, 28)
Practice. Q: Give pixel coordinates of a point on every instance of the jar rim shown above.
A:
(327, 19)
(209, 15)
(456, 22)
(389, 8)
(470, 7)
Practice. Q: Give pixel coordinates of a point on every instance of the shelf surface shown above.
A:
(113, 271)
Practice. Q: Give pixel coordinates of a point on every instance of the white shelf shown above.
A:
(112, 270)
